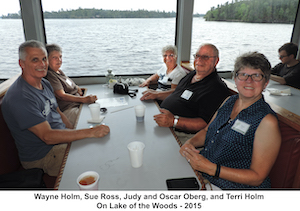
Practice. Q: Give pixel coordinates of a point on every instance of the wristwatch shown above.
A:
(176, 118)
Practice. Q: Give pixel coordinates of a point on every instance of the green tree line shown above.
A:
(100, 13)
(255, 11)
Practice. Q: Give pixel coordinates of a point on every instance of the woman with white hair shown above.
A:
(170, 74)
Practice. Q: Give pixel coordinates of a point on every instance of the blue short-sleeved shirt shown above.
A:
(25, 106)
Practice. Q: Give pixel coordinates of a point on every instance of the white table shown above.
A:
(109, 155)
(290, 103)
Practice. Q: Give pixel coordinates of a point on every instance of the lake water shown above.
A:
(92, 46)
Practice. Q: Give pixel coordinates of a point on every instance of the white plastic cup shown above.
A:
(136, 150)
(140, 112)
(85, 176)
(95, 111)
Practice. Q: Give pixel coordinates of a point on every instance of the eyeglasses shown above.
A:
(203, 57)
(255, 77)
(170, 55)
(281, 57)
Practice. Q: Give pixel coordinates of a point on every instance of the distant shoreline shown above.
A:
(99, 14)
(195, 16)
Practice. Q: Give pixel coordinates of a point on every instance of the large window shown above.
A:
(93, 45)
(11, 35)
(125, 45)
(234, 38)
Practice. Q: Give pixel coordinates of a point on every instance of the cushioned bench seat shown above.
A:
(286, 170)
(9, 158)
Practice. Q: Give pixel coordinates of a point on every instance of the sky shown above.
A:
(200, 6)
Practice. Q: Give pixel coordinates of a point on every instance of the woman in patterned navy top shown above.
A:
(242, 141)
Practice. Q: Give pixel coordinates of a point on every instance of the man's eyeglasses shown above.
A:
(170, 55)
(281, 57)
(203, 57)
(255, 77)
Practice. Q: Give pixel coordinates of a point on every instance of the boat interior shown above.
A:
(285, 174)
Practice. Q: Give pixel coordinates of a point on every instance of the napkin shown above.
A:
(284, 92)
(112, 102)
(98, 121)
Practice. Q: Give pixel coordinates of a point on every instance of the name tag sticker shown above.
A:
(187, 94)
(69, 82)
(240, 127)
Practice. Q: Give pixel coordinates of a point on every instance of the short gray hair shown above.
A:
(169, 48)
(30, 44)
(253, 60)
(53, 47)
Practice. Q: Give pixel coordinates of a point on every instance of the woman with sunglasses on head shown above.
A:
(242, 141)
(169, 75)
